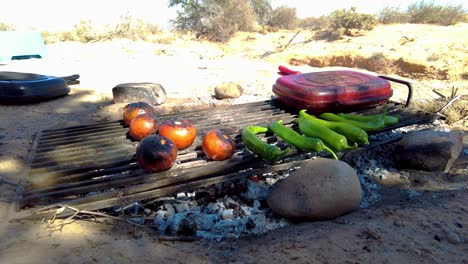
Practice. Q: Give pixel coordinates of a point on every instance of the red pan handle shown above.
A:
(283, 70)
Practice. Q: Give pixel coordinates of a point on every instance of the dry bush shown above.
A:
(330, 34)
(6, 27)
(423, 12)
(393, 15)
(378, 62)
(315, 23)
(284, 17)
(127, 27)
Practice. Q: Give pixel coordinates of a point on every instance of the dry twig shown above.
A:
(79, 213)
(449, 103)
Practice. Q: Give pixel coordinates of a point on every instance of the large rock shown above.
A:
(321, 189)
(228, 90)
(151, 93)
(428, 150)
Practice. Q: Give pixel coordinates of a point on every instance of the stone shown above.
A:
(228, 90)
(151, 93)
(320, 189)
(428, 150)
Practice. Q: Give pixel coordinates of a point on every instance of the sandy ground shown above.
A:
(429, 228)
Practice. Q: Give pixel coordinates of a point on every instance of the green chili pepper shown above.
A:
(267, 152)
(375, 125)
(351, 132)
(332, 139)
(388, 120)
(299, 141)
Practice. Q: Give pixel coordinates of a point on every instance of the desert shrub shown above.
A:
(215, 20)
(6, 27)
(350, 19)
(85, 31)
(393, 15)
(133, 29)
(423, 12)
(329, 34)
(315, 23)
(262, 10)
(284, 17)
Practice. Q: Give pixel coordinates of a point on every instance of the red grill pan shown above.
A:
(332, 91)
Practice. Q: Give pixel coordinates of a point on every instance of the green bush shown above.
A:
(315, 23)
(216, 20)
(350, 19)
(284, 17)
(262, 10)
(393, 15)
(423, 12)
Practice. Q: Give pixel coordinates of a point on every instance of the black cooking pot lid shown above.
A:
(19, 87)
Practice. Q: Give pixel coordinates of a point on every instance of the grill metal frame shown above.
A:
(93, 166)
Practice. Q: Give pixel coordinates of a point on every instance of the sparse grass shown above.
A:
(127, 27)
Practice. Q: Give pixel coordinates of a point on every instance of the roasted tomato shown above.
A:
(181, 132)
(156, 153)
(142, 126)
(133, 109)
(217, 145)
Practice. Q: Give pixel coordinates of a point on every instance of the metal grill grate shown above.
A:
(93, 166)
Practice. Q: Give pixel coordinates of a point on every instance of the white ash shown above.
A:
(227, 217)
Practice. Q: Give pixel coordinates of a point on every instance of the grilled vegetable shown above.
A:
(388, 120)
(299, 141)
(142, 126)
(332, 139)
(218, 146)
(267, 152)
(156, 153)
(350, 131)
(131, 110)
(369, 126)
(181, 132)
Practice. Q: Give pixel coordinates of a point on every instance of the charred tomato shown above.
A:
(156, 153)
(217, 145)
(181, 132)
(131, 110)
(142, 126)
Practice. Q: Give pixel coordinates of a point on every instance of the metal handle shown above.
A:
(410, 88)
(72, 79)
